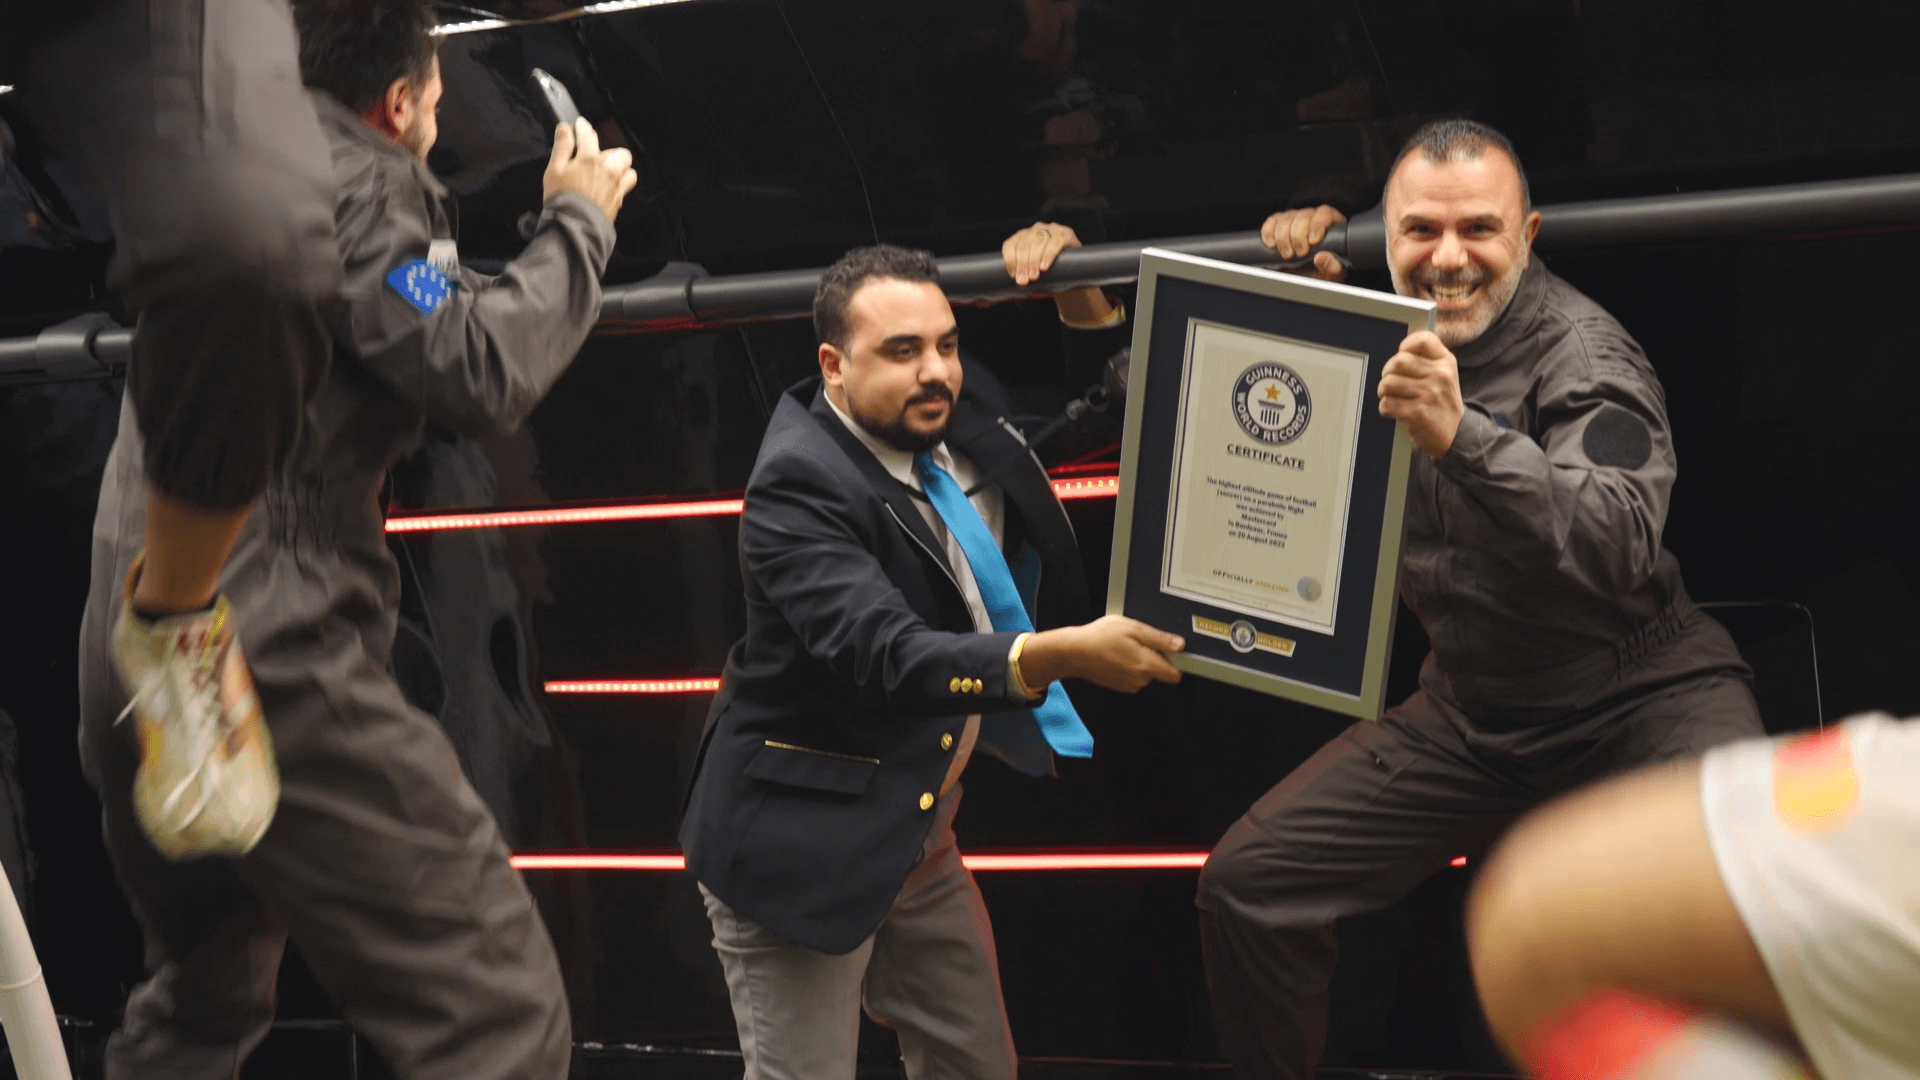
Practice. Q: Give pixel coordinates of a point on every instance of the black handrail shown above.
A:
(686, 297)
(683, 295)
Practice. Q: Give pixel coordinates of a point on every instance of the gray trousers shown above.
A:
(1389, 802)
(929, 972)
(382, 865)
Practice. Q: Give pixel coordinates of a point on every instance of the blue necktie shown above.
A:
(1059, 723)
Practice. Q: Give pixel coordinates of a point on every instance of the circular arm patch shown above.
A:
(1618, 439)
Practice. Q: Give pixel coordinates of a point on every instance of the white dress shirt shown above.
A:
(992, 508)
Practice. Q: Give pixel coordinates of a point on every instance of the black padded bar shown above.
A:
(1782, 210)
(682, 295)
(1707, 215)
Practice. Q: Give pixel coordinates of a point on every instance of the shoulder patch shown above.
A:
(1616, 438)
(421, 284)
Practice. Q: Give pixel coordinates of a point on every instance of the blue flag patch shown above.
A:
(421, 284)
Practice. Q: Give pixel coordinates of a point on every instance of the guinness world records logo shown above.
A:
(1271, 403)
(1242, 636)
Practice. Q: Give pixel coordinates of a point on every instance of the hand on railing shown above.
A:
(1030, 252)
(1293, 233)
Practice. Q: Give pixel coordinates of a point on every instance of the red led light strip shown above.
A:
(1091, 487)
(1083, 860)
(636, 686)
(1089, 860)
(1119, 860)
(1086, 487)
(675, 861)
(577, 515)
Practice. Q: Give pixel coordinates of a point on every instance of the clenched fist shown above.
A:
(580, 166)
(1420, 387)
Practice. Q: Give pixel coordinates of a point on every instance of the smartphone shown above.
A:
(554, 93)
(560, 107)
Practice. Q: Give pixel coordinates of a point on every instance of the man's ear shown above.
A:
(1533, 226)
(403, 105)
(830, 360)
(392, 115)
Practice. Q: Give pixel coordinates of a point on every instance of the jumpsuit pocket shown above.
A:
(1317, 803)
(1388, 755)
(815, 770)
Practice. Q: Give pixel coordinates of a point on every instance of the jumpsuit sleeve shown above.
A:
(1088, 349)
(475, 355)
(800, 549)
(1588, 494)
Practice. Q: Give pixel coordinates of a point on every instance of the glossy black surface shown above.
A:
(962, 119)
(325, 1050)
(1789, 367)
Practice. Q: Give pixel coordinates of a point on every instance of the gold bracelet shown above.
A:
(1013, 661)
(1114, 317)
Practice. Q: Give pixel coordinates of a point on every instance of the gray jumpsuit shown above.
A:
(187, 118)
(382, 863)
(1565, 648)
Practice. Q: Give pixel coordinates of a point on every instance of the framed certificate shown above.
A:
(1261, 492)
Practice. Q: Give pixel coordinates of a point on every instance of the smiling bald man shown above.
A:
(1565, 647)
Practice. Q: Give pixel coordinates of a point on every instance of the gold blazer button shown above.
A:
(926, 800)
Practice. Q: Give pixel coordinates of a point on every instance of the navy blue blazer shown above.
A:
(840, 711)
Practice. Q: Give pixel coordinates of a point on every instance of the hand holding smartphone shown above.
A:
(553, 93)
(578, 164)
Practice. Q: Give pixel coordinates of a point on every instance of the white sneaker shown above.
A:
(207, 783)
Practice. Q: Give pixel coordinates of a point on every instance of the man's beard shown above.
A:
(1465, 326)
(894, 430)
(414, 139)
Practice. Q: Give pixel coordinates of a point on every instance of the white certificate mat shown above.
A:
(1262, 474)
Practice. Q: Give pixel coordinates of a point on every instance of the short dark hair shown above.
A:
(355, 49)
(1463, 140)
(856, 268)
